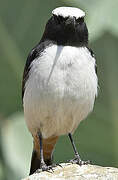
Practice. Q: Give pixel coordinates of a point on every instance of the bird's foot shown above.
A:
(44, 167)
(77, 160)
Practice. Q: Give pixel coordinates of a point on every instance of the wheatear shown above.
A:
(59, 84)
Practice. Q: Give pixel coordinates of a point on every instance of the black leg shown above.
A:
(77, 158)
(73, 144)
(43, 166)
(41, 151)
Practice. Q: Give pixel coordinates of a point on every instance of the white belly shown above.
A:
(60, 90)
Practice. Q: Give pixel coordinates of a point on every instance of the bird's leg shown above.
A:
(43, 166)
(46, 147)
(77, 158)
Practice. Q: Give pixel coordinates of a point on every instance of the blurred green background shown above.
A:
(21, 26)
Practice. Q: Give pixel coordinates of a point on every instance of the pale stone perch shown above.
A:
(75, 172)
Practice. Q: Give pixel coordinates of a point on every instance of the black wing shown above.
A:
(35, 52)
(93, 55)
(30, 58)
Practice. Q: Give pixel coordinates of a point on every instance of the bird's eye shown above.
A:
(59, 19)
(56, 19)
(80, 20)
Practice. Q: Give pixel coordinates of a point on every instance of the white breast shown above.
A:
(60, 90)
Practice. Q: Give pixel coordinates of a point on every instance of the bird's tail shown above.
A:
(48, 147)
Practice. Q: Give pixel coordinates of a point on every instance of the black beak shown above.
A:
(70, 22)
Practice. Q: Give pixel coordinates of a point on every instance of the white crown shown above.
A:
(69, 12)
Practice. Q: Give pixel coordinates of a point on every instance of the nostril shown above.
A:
(68, 21)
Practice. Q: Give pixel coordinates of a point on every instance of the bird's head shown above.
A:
(67, 27)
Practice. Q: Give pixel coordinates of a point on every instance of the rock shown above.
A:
(75, 172)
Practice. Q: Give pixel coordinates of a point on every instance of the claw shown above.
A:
(44, 167)
(83, 162)
(78, 161)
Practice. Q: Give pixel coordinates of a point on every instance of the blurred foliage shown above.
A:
(21, 27)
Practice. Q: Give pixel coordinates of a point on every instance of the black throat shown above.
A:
(66, 34)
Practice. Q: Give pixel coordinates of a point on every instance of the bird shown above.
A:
(59, 85)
